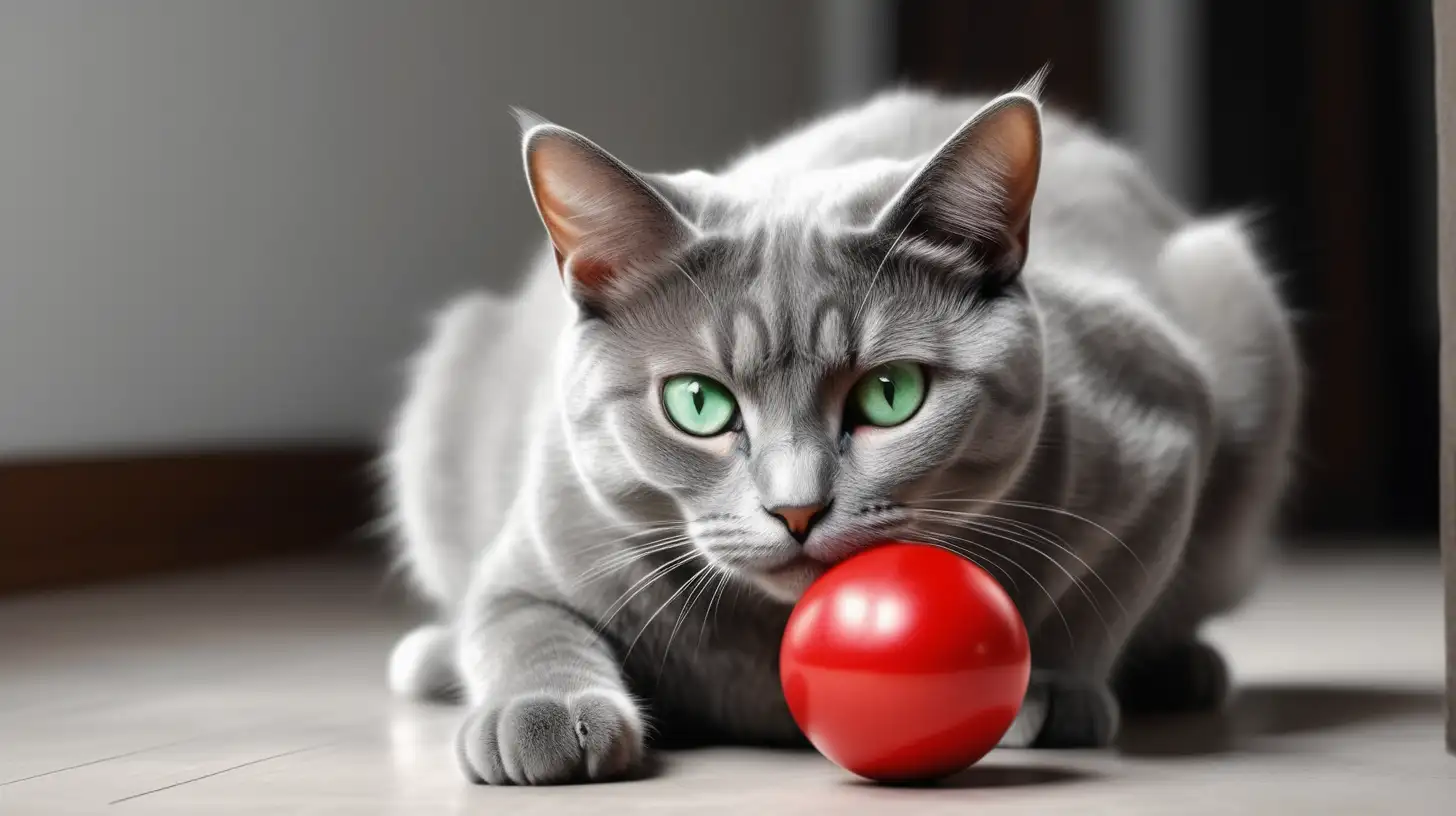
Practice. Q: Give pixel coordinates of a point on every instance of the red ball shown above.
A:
(905, 662)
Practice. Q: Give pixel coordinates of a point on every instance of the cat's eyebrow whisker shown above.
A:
(989, 523)
(642, 583)
(1048, 508)
(876, 277)
(937, 540)
(717, 314)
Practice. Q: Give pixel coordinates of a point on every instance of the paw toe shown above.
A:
(608, 733)
(477, 747)
(541, 742)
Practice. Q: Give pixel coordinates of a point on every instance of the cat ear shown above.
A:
(607, 225)
(976, 191)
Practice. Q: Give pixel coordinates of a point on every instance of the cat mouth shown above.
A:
(797, 565)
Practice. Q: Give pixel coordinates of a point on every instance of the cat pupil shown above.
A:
(888, 389)
(698, 398)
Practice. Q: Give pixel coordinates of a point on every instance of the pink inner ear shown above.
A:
(588, 272)
(1017, 140)
(565, 236)
(606, 222)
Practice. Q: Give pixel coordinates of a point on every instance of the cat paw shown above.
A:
(1029, 719)
(549, 738)
(1075, 713)
(1180, 678)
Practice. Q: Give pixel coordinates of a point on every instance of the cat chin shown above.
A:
(788, 582)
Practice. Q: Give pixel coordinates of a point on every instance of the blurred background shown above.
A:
(222, 224)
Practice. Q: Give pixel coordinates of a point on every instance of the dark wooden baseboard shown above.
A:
(69, 522)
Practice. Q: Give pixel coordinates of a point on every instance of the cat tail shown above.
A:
(422, 665)
(425, 464)
(1226, 298)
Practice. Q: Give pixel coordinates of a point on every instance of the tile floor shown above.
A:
(258, 690)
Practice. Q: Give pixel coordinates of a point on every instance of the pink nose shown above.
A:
(799, 519)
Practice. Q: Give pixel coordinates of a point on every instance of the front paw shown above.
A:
(1176, 678)
(1066, 712)
(549, 738)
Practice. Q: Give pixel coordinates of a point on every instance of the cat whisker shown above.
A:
(712, 610)
(1047, 508)
(987, 523)
(622, 525)
(627, 549)
(622, 559)
(707, 574)
(977, 526)
(1043, 534)
(951, 491)
(647, 530)
(935, 540)
(988, 565)
(650, 618)
(641, 584)
(630, 548)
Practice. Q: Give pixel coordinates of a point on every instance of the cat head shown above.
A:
(793, 375)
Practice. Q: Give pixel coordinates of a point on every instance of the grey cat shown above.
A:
(965, 322)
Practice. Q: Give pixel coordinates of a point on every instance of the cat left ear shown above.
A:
(607, 225)
(976, 191)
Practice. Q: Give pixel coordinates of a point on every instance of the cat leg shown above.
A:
(1068, 702)
(1166, 667)
(1077, 640)
(548, 702)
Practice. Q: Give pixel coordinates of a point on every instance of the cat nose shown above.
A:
(800, 519)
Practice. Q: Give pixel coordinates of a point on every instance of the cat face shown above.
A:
(793, 382)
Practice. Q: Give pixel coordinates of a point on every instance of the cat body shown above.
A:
(1107, 395)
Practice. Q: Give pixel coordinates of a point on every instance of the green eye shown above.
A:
(890, 394)
(698, 405)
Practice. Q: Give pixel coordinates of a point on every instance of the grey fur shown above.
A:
(1107, 431)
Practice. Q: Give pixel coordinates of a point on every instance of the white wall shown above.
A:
(856, 49)
(222, 221)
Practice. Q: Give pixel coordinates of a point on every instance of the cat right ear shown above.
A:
(609, 227)
(976, 191)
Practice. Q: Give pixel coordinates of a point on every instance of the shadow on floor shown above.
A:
(1260, 712)
(993, 776)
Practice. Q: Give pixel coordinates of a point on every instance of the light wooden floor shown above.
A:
(259, 691)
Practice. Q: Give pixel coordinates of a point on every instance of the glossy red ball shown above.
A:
(905, 662)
